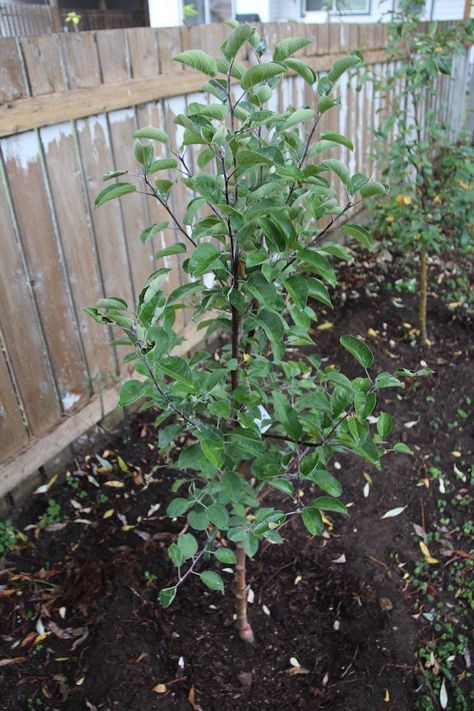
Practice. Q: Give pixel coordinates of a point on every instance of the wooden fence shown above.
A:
(70, 103)
(20, 20)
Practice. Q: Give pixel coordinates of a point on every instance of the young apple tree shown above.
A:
(414, 146)
(262, 417)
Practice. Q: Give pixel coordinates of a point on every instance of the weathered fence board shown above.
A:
(70, 103)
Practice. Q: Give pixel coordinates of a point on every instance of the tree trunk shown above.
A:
(243, 625)
(422, 291)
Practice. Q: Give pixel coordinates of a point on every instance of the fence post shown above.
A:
(56, 15)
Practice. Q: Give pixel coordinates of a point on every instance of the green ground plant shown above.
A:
(430, 172)
(7, 537)
(262, 418)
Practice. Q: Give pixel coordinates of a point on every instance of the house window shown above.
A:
(353, 7)
(349, 7)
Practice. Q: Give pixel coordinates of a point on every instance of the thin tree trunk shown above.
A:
(245, 630)
(422, 294)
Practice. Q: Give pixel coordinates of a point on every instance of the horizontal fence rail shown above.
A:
(70, 103)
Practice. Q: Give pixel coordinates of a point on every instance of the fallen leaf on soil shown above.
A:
(14, 660)
(419, 530)
(266, 610)
(294, 662)
(394, 512)
(114, 484)
(385, 603)
(245, 679)
(324, 326)
(386, 697)
(341, 559)
(443, 695)
(160, 689)
(428, 557)
(108, 513)
(192, 697)
(410, 424)
(456, 454)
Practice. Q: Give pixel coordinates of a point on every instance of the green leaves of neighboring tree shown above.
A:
(253, 413)
(430, 173)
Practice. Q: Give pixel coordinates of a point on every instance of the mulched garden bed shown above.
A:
(337, 622)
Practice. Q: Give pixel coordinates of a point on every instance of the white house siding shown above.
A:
(251, 7)
(284, 10)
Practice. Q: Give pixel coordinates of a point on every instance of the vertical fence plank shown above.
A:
(13, 434)
(23, 337)
(81, 59)
(12, 80)
(44, 65)
(79, 249)
(36, 225)
(112, 49)
(143, 52)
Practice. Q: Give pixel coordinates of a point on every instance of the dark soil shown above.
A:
(78, 597)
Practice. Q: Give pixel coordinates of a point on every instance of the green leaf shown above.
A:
(154, 134)
(298, 290)
(312, 520)
(289, 46)
(213, 580)
(286, 415)
(219, 516)
(318, 291)
(326, 481)
(302, 69)
(260, 72)
(197, 59)
(319, 264)
(212, 111)
(162, 164)
(113, 174)
(112, 302)
(167, 595)
(203, 259)
(299, 116)
(384, 424)
(326, 503)
(198, 519)
(325, 103)
(402, 448)
(153, 229)
(272, 324)
(175, 554)
(358, 349)
(281, 485)
(187, 544)
(372, 189)
(178, 507)
(114, 191)
(236, 39)
(177, 248)
(226, 556)
(178, 369)
(342, 65)
(337, 138)
(130, 392)
(337, 167)
(212, 445)
(359, 233)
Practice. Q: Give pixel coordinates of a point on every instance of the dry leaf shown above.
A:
(160, 689)
(443, 695)
(108, 513)
(394, 512)
(191, 697)
(114, 484)
(14, 660)
(324, 326)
